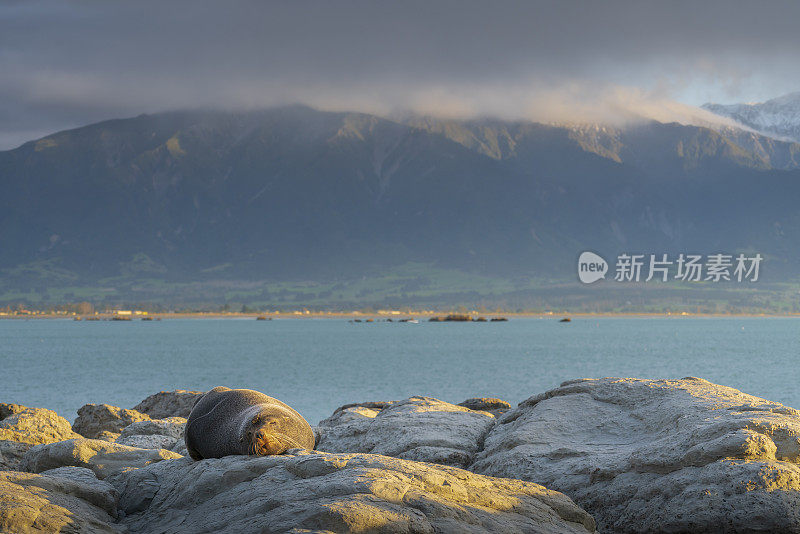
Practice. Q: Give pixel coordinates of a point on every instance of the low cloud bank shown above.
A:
(65, 64)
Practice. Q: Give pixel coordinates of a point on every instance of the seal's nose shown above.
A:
(269, 444)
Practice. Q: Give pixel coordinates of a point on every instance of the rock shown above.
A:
(372, 405)
(494, 406)
(59, 503)
(172, 427)
(312, 491)
(8, 409)
(103, 494)
(457, 317)
(11, 454)
(105, 435)
(153, 434)
(107, 499)
(166, 404)
(94, 419)
(152, 441)
(32, 425)
(180, 448)
(22, 427)
(418, 428)
(104, 458)
(656, 455)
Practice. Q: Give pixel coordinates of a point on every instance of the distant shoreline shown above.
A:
(393, 316)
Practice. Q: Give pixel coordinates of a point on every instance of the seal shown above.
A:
(228, 421)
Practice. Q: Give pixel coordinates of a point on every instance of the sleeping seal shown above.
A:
(228, 421)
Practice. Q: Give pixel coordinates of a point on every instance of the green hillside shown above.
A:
(297, 207)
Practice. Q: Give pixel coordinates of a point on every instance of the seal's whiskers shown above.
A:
(290, 441)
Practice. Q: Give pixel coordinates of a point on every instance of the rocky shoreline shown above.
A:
(612, 454)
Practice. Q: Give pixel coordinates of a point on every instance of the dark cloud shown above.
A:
(70, 63)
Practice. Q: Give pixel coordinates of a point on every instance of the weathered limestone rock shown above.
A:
(172, 427)
(95, 419)
(336, 493)
(153, 434)
(61, 502)
(166, 404)
(32, 425)
(496, 407)
(105, 435)
(104, 458)
(419, 428)
(22, 427)
(180, 448)
(151, 441)
(656, 455)
(104, 495)
(11, 454)
(372, 405)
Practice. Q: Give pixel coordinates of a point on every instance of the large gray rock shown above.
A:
(105, 435)
(57, 502)
(166, 404)
(104, 458)
(149, 441)
(494, 406)
(172, 427)
(11, 454)
(32, 425)
(418, 428)
(656, 455)
(321, 492)
(95, 420)
(180, 448)
(105, 495)
(22, 427)
(153, 434)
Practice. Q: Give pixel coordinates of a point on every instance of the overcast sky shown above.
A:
(65, 64)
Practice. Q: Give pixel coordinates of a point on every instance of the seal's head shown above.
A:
(267, 431)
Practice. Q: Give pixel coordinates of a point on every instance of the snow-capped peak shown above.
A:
(779, 117)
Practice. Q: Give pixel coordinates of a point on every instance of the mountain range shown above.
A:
(779, 117)
(296, 206)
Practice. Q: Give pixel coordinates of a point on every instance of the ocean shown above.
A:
(316, 365)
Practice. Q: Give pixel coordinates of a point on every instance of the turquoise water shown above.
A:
(316, 365)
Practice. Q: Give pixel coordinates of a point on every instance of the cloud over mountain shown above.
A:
(66, 64)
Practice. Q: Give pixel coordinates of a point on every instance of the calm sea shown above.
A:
(316, 365)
